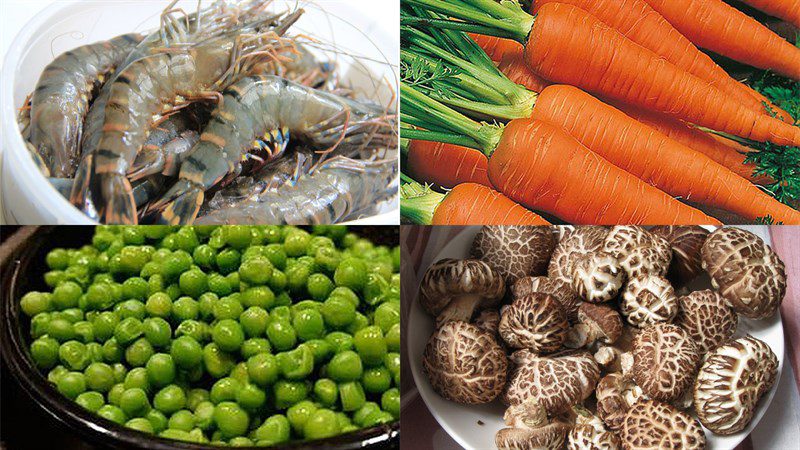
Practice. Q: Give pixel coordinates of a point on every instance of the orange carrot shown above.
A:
(653, 157)
(721, 28)
(640, 23)
(788, 10)
(446, 165)
(599, 59)
(723, 152)
(514, 67)
(467, 204)
(496, 47)
(540, 166)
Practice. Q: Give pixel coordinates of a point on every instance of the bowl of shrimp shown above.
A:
(211, 112)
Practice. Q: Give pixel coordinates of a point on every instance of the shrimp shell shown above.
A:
(62, 96)
(340, 188)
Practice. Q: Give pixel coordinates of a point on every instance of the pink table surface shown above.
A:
(780, 427)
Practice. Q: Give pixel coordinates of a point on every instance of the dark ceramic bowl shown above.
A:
(23, 264)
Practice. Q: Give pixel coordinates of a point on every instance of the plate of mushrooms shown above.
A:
(599, 337)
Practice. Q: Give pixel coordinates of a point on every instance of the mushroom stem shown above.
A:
(461, 308)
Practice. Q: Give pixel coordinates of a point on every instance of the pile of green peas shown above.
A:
(233, 335)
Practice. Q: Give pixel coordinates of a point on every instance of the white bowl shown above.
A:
(356, 27)
(462, 422)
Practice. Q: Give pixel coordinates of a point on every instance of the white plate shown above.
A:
(365, 28)
(462, 421)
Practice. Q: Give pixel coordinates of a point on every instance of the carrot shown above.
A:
(540, 166)
(514, 67)
(727, 153)
(653, 157)
(723, 29)
(496, 47)
(467, 204)
(788, 10)
(640, 23)
(446, 165)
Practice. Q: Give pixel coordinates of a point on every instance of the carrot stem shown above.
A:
(435, 136)
(516, 22)
(468, 83)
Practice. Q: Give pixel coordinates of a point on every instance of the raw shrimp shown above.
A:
(144, 190)
(143, 90)
(261, 112)
(62, 97)
(24, 121)
(337, 189)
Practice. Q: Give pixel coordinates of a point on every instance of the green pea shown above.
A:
(193, 282)
(376, 380)
(392, 338)
(71, 384)
(351, 273)
(296, 242)
(251, 397)
(346, 293)
(296, 364)
(228, 261)
(57, 259)
(186, 352)
(195, 396)
(370, 345)
(281, 334)
(231, 419)
(378, 418)
(186, 239)
(299, 413)
(279, 281)
(157, 419)
(225, 389)
(254, 346)
(261, 296)
(40, 323)
(66, 295)
(134, 403)
(218, 284)
(204, 415)
(127, 330)
(120, 371)
(44, 351)
(178, 435)
(73, 354)
(112, 413)
(283, 299)
(99, 377)
(309, 324)
(322, 424)
(327, 259)
(319, 286)
(170, 399)
(157, 331)
(99, 296)
(160, 369)
(238, 236)
(257, 271)
(95, 352)
(71, 315)
(275, 430)
(112, 351)
(276, 255)
(204, 256)
(287, 393)
(326, 391)
(140, 424)
(254, 321)
(390, 402)
(263, 369)
(233, 281)
(103, 324)
(339, 341)
(181, 420)
(217, 362)
(228, 335)
(321, 350)
(159, 305)
(239, 372)
(345, 366)
(139, 353)
(185, 308)
(175, 264)
(137, 378)
(338, 312)
(197, 330)
(352, 395)
(174, 291)
(205, 305)
(34, 303)
(91, 400)
(55, 373)
(135, 288)
(387, 315)
(228, 308)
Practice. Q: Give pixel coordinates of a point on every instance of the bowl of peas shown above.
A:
(191, 337)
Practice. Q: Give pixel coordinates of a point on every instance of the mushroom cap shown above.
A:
(555, 382)
(708, 319)
(515, 251)
(574, 245)
(547, 437)
(536, 321)
(615, 395)
(651, 424)
(665, 360)
(686, 242)
(745, 271)
(447, 279)
(465, 364)
(558, 288)
(648, 299)
(598, 277)
(488, 320)
(639, 252)
(603, 321)
(590, 433)
(730, 383)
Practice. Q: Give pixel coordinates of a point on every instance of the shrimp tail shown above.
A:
(81, 194)
(180, 205)
(120, 205)
(37, 159)
(147, 162)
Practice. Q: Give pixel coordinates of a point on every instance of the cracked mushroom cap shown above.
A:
(465, 364)
(651, 424)
(708, 319)
(590, 433)
(615, 395)
(546, 437)
(639, 251)
(730, 383)
(453, 289)
(536, 321)
(555, 382)
(598, 277)
(574, 245)
(686, 242)
(515, 251)
(553, 286)
(648, 299)
(745, 271)
(665, 360)
(603, 323)
(488, 320)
